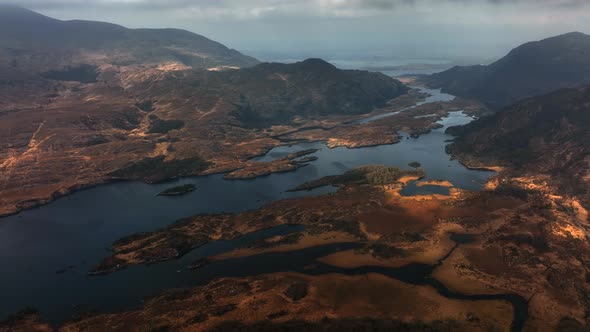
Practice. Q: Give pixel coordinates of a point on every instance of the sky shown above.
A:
(269, 29)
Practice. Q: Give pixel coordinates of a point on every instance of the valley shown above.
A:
(359, 232)
(129, 128)
(157, 180)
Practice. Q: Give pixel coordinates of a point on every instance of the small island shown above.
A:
(374, 175)
(179, 190)
(415, 164)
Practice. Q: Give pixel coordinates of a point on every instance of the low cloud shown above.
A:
(427, 26)
(299, 7)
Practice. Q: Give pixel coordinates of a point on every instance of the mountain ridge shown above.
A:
(25, 30)
(531, 69)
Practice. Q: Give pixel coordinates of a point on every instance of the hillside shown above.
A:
(275, 93)
(546, 135)
(531, 69)
(26, 38)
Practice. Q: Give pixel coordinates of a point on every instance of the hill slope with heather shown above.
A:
(529, 70)
(275, 93)
(545, 135)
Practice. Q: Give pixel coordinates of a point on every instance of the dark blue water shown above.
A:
(63, 295)
(428, 149)
(435, 95)
(74, 232)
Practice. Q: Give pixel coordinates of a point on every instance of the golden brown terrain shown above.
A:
(149, 104)
(164, 121)
(328, 297)
(513, 253)
(151, 124)
(281, 299)
(143, 104)
(530, 235)
(530, 239)
(527, 240)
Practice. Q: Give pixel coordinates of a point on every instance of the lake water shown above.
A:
(435, 95)
(395, 67)
(72, 234)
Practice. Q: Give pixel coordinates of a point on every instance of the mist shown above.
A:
(455, 30)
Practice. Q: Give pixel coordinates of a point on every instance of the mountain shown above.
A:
(275, 93)
(544, 135)
(531, 69)
(26, 38)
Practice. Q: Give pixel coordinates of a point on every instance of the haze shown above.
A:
(280, 29)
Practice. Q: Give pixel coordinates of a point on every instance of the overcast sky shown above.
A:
(407, 28)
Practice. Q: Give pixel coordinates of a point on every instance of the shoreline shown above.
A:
(29, 205)
(415, 93)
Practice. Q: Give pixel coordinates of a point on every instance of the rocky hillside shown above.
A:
(541, 135)
(274, 93)
(312, 87)
(31, 40)
(531, 69)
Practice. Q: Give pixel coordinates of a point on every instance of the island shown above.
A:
(179, 190)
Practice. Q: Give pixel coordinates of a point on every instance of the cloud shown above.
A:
(425, 27)
(411, 13)
(260, 7)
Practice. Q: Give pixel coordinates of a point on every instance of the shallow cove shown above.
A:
(72, 234)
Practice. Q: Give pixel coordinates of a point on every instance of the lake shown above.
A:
(46, 252)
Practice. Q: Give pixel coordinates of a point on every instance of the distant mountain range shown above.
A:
(29, 39)
(531, 69)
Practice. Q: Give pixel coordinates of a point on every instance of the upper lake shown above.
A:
(72, 234)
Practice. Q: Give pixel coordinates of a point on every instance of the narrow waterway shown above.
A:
(434, 95)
